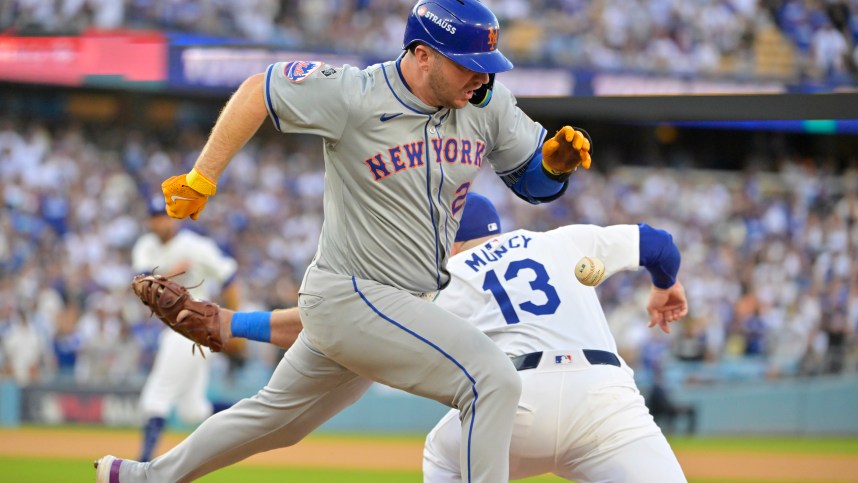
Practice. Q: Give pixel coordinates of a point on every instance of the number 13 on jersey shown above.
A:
(492, 284)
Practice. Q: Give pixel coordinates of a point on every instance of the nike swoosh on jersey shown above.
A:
(174, 198)
(386, 117)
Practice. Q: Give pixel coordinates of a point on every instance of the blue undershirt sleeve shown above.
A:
(659, 255)
(532, 184)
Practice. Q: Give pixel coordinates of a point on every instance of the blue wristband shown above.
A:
(252, 325)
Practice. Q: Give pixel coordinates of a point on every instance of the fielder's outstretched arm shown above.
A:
(660, 256)
(280, 327)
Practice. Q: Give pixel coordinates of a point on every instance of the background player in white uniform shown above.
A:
(178, 379)
(402, 143)
(581, 415)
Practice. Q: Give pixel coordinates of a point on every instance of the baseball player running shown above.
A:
(178, 379)
(580, 415)
(402, 142)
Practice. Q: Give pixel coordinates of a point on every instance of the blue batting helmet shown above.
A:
(464, 31)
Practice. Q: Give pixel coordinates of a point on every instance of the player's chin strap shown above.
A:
(483, 95)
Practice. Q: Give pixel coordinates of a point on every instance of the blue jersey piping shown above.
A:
(434, 346)
(268, 97)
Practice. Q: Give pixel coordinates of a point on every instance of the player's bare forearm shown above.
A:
(285, 326)
(238, 122)
(666, 306)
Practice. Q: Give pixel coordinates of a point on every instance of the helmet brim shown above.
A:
(483, 62)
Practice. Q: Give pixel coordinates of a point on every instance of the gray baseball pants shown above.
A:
(355, 332)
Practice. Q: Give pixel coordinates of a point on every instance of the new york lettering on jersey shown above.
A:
(411, 155)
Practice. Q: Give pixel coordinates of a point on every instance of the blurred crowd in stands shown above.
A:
(769, 257)
(789, 39)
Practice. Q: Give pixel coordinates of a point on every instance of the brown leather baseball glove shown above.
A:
(167, 298)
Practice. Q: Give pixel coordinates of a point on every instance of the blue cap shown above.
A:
(479, 219)
(157, 205)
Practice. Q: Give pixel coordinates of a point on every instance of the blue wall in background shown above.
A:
(814, 406)
(10, 403)
(822, 405)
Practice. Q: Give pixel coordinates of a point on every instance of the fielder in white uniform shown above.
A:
(581, 415)
(178, 378)
(402, 142)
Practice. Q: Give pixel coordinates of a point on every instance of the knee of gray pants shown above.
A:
(501, 385)
(508, 382)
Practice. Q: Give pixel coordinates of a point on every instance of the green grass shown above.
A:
(740, 444)
(47, 470)
(52, 470)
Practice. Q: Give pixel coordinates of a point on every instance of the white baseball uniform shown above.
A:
(578, 419)
(178, 378)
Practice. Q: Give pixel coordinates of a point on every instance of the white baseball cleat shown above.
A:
(107, 469)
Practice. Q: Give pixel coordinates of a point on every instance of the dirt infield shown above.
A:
(404, 454)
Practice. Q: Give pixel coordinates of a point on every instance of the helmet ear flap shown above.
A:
(483, 95)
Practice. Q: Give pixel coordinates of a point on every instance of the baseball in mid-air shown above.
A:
(590, 271)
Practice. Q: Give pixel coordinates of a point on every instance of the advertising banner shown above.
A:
(96, 57)
(55, 404)
(630, 84)
(223, 68)
(220, 68)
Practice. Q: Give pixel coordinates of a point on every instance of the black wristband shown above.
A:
(563, 177)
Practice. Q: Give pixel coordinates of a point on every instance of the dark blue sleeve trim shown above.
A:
(659, 255)
(268, 97)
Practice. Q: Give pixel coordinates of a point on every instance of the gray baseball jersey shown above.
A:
(397, 170)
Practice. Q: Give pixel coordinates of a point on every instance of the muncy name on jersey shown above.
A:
(494, 250)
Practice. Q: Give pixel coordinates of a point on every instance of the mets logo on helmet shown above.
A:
(493, 38)
(299, 70)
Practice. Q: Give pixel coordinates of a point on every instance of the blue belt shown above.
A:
(531, 361)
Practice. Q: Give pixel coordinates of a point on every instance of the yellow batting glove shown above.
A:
(567, 150)
(187, 194)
